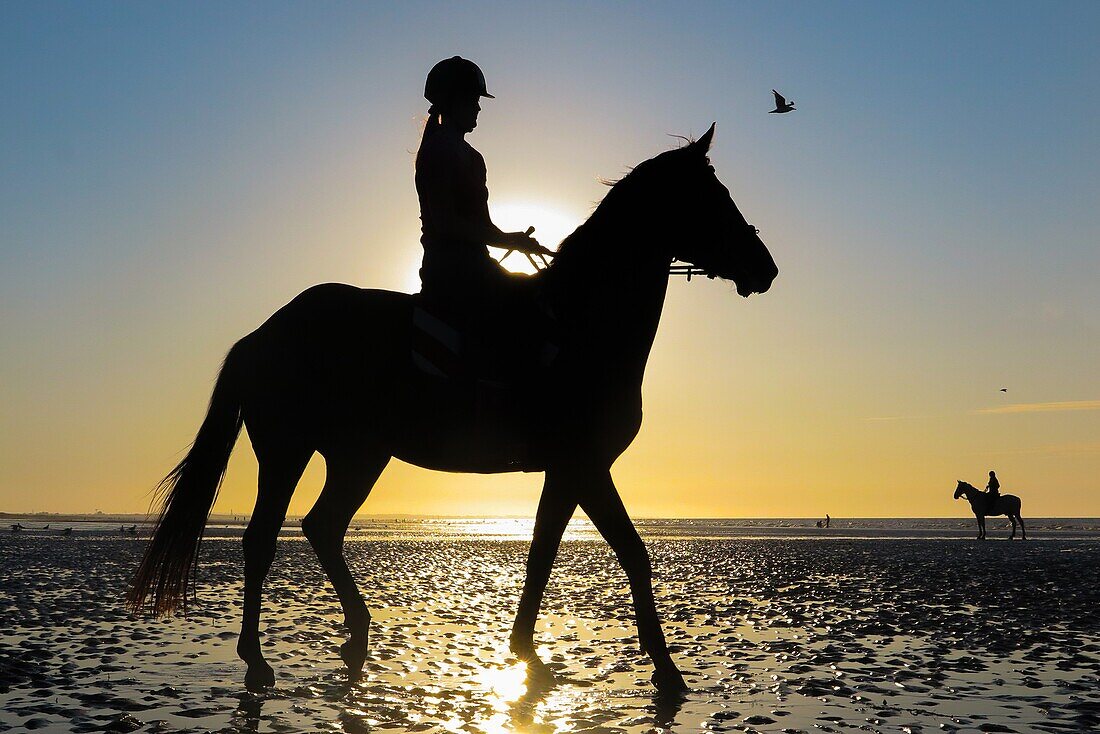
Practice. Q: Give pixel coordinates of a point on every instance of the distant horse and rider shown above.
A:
(330, 373)
(992, 502)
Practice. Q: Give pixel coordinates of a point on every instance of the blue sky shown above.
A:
(172, 173)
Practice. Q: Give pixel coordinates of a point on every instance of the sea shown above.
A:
(520, 528)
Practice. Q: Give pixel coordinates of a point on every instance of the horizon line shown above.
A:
(386, 515)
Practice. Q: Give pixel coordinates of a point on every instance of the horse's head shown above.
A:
(704, 226)
(960, 488)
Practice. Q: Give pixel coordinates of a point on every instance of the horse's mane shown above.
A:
(635, 177)
(573, 240)
(580, 267)
(633, 180)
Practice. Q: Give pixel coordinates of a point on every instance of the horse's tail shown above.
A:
(186, 496)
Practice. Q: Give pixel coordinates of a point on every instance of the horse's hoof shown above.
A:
(669, 682)
(522, 647)
(539, 673)
(259, 677)
(354, 654)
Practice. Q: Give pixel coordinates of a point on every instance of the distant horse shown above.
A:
(1007, 504)
(330, 373)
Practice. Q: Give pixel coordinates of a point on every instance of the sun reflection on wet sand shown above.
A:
(773, 636)
(505, 684)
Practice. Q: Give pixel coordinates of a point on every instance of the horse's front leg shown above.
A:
(601, 502)
(555, 509)
(981, 527)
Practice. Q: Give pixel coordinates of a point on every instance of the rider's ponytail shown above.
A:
(434, 121)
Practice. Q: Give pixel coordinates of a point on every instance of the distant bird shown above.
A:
(1004, 389)
(15, 528)
(781, 104)
(67, 531)
(46, 526)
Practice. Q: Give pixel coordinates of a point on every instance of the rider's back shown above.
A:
(451, 187)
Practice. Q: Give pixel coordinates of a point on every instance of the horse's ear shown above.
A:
(703, 143)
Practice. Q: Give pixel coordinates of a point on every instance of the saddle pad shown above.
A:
(439, 349)
(436, 345)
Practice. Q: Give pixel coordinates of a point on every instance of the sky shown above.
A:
(172, 173)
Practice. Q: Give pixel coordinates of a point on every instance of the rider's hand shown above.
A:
(524, 242)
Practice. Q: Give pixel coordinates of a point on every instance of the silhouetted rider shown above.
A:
(993, 491)
(457, 271)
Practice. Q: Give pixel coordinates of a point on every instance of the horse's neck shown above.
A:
(613, 286)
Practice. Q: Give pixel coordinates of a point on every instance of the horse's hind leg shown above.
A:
(1013, 533)
(280, 470)
(601, 502)
(350, 477)
(1023, 530)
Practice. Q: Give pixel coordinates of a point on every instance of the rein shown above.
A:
(676, 268)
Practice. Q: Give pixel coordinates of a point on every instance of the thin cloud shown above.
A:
(1057, 407)
(1063, 450)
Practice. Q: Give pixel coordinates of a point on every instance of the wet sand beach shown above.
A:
(774, 634)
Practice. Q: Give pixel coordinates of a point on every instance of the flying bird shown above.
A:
(1004, 389)
(781, 104)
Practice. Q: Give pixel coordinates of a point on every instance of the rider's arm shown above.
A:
(439, 195)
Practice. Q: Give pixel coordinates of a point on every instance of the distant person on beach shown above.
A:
(827, 520)
(993, 490)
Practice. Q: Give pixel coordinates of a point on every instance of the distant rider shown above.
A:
(993, 491)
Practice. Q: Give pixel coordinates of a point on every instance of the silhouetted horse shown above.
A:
(329, 372)
(1007, 504)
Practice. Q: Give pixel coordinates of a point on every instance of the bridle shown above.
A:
(688, 270)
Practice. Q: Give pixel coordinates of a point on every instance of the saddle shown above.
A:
(992, 505)
(480, 381)
(443, 350)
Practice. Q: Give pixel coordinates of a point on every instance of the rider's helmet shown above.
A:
(453, 79)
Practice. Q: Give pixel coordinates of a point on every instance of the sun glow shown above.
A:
(551, 227)
(504, 684)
